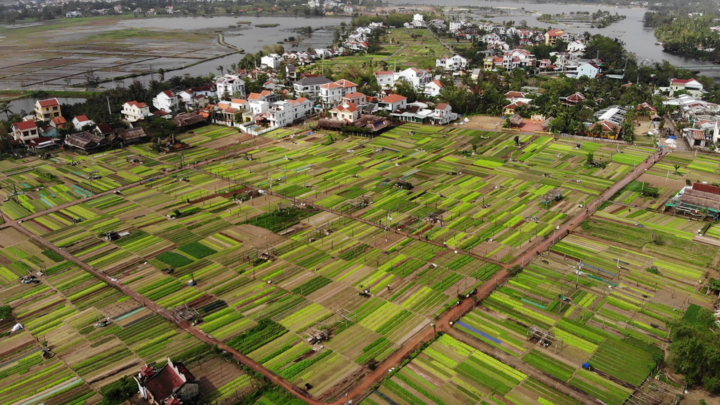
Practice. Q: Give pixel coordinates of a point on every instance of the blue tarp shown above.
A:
(483, 334)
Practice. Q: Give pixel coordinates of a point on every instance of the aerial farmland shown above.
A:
(447, 265)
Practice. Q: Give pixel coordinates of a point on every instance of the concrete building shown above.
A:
(45, 110)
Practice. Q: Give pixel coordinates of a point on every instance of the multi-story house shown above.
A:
(166, 101)
(309, 86)
(45, 110)
(286, 112)
(230, 85)
(417, 77)
(25, 131)
(385, 79)
(134, 111)
(332, 94)
(452, 63)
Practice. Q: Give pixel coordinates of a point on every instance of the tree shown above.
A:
(220, 69)
(590, 159)
(5, 109)
(515, 270)
(517, 140)
(695, 348)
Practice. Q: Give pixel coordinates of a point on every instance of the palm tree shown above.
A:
(233, 67)
(220, 69)
(5, 109)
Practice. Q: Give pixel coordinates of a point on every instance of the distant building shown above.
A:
(691, 86)
(73, 14)
(552, 36)
(588, 69)
(168, 384)
(45, 110)
(452, 63)
(271, 61)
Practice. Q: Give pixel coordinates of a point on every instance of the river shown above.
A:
(251, 39)
(638, 39)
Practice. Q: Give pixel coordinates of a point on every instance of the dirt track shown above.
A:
(442, 324)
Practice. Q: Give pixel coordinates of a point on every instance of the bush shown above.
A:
(174, 259)
(53, 255)
(5, 312)
(119, 391)
(515, 270)
(695, 348)
(197, 250)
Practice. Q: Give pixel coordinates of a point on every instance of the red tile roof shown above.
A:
(351, 107)
(442, 106)
(51, 102)
(555, 32)
(168, 380)
(137, 104)
(346, 83)
(706, 188)
(393, 98)
(266, 93)
(82, 118)
(255, 96)
(383, 73)
(25, 125)
(438, 83)
(59, 120)
(357, 94)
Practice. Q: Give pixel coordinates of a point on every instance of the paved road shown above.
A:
(442, 324)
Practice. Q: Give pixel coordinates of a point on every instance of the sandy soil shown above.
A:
(483, 123)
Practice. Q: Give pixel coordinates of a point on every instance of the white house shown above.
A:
(25, 131)
(455, 26)
(348, 9)
(169, 9)
(166, 101)
(587, 69)
(310, 86)
(231, 85)
(453, 63)
(284, 113)
(134, 111)
(271, 61)
(417, 77)
(576, 46)
(418, 21)
(433, 88)
(442, 114)
(393, 102)
(518, 58)
(691, 86)
(332, 94)
(385, 79)
(191, 100)
(73, 14)
(257, 103)
(82, 121)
